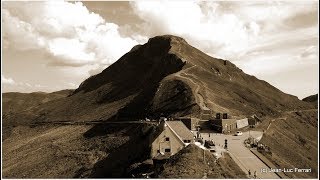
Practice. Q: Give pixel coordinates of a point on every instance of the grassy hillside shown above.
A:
(190, 163)
(72, 151)
(312, 99)
(17, 106)
(293, 139)
(14, 102)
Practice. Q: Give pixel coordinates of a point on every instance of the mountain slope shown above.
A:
(14, 102)
(165, 76)
(77, 151)
(312, 99)
(194, 162)
(293, 140)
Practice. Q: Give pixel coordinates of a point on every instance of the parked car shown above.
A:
(238, 133)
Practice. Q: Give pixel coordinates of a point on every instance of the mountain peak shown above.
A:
(164, 43)
(167, 37)
(167, 75)
(160, 45)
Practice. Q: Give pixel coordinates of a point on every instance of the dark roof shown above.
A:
(180, 129)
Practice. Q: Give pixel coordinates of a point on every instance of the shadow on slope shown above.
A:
(136, 149)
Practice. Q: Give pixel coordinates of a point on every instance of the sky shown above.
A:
(55, 45)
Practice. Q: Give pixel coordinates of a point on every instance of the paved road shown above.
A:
(242, 155)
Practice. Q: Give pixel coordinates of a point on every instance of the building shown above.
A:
(226, 124)
(206, 114)
(224, 116)
(170, 137)
(189, 122)
(242, 123)
(253, 121)
(173, 137)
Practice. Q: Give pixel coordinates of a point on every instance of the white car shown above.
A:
(238, 133)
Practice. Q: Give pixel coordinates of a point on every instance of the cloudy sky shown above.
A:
(49, 46)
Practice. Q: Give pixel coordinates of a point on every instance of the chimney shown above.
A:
(218, 115)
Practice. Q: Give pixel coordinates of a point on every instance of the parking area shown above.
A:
(242, 155)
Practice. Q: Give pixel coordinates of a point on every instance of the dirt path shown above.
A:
(288, 112)
(303, 110)
(199, 98)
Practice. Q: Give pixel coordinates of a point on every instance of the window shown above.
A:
(225, 116)
(167, 139)
(167, 150)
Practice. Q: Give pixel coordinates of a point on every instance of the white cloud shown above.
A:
(267, 65)
(204, 24)
(71, 49)
(10, 85)
(77, 16)
(98, 69)
(40, 86)
(106, 42)
(72, 85)
(19, 34)
(272, 11)
(223, 29)
(27, 84)
(310, 52)
(67, 31)
(234, 30)
(5, 80)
